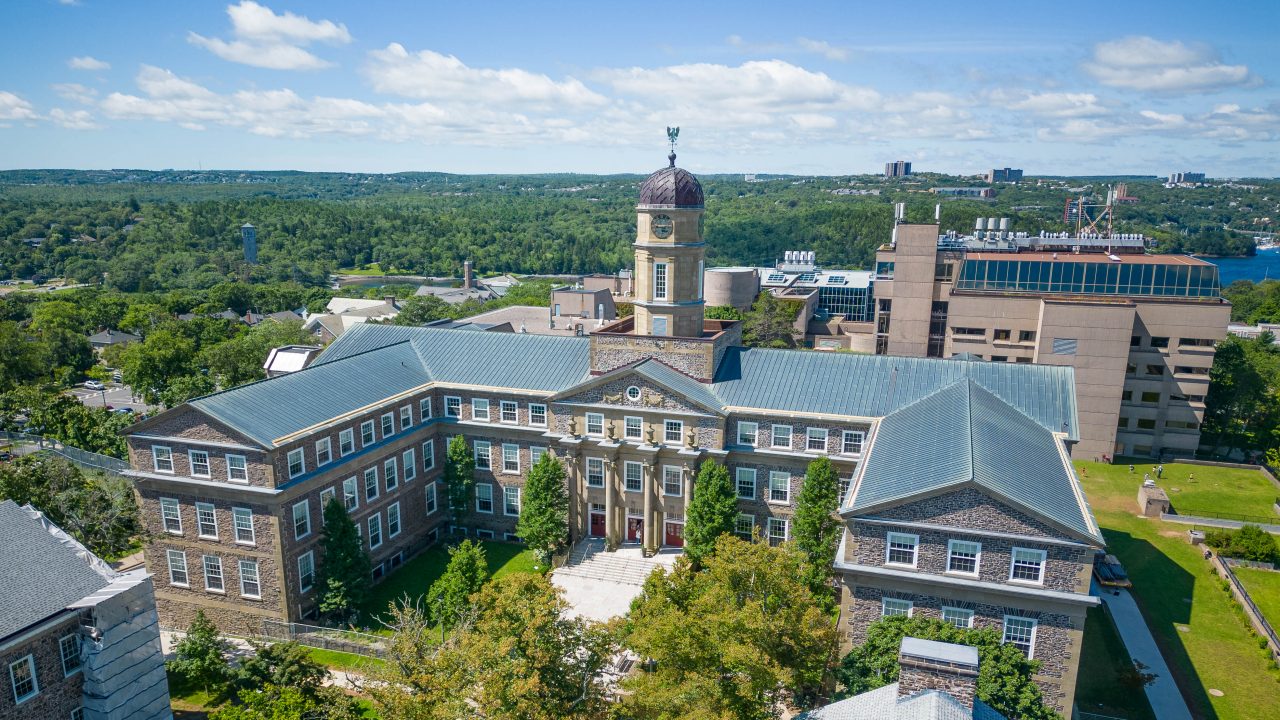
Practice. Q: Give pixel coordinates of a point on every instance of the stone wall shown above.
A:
(917, 675)
(970, 508)
(694, 358)
(58, 695)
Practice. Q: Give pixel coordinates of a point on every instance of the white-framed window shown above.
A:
(22, 678)
(1021, 633)
(744, 526)
(250, 585)
(297, 463)
(485, 534)
(213, 574)
(963, 556)
(510, 458)
(388, 425)
(367, 437)
(595, 472)
(199, 460)
(660, 281)
(890, 607)
(480, 409)
(410, 464)
(960, 617)
(633, 393)
(779, 486)
(632, 427)
(1027, 565)
(815, 439)
(452, 406)
(371, 484)
(390, 473)
(375, 530)
(432, 502)
(428, 456)
(237, 469)
(484, 498)
(780, 436)
(326, 495)
(482, 452)
(535, 454)
(69, 651)
(747, 433)
(901, 549)
(324, 451)
(508, 412)
(537, 414)
(659, 325)
(346, 442)
(162, 458)
(595, 424)
(307, 570)
(632, 477)
(242, 520)
(171, 516)
(511, 501)
(746, 481)
(406, 417)
(177, 568)
(777, 530)
(672, 431)
(393, 519)
(672, 480)
(851, 442)
(844, 484)
(424, 409)
(301, 519)
(206, 521)
(350, 494)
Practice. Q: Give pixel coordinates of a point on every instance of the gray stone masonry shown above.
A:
(59, 694)
(917, 675)
(969, 508)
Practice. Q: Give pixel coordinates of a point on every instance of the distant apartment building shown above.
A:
(898, 168)
(969, 192)
(1180, 178)
(1004, 175)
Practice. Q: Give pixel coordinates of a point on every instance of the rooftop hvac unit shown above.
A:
(1004, 223)
(980, 224)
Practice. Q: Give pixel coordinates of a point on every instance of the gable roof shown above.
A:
(661, 374)
(970, 437)
(883, 704)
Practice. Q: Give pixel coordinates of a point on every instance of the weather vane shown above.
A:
(672, 134)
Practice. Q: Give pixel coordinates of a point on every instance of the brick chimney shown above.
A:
(467, 278)
(931, 665)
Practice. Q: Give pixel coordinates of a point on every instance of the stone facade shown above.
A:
(59, 693)
(916, 675)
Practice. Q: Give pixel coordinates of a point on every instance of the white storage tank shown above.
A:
(730, 286)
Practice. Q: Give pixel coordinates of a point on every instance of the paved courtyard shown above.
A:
(600, 585)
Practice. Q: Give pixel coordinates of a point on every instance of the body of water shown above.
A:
(1264, 265)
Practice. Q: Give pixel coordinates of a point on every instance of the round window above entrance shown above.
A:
(633, 393)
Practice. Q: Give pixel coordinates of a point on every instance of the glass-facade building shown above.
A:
(1067, 277)
(857, 304)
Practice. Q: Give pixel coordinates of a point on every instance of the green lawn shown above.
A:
(373, 269)
(1213, 489)
(1099, 688)
(1264, 590)
(348, 662)
(1175, 588)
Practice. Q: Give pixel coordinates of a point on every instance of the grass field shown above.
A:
(1264, 590)
(347, 662)
(1176, 588)
(1099, 688)
(1230, 491)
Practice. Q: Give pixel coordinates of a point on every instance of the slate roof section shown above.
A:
(42, 570)
(883, 704)
(964, 435)
(671, 187)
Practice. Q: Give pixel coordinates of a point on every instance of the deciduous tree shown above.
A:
(544, 508)
(449, 598)
(200, 657)
(459, 477)
(713, 510)
(816, 529)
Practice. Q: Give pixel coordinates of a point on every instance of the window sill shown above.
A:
(901, 566)
(247, 543)
(180, 585)
(250, 597)
(1026, 583)
(779, 502)
(215, 592)
(207, 537)
(958, 574)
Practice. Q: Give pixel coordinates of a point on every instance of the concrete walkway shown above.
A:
(600, 585)
(1217, 522)
(1166, 701)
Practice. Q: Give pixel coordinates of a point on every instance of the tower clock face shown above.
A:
(661, 226)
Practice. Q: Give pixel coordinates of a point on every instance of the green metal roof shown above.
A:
(964, 435)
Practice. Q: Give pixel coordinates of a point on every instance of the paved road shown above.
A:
(115, 395)
(1166, 701)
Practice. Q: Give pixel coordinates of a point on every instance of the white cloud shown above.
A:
(73, 119)
(85, 62)
(276, 42)
(757, 85)
(823, 48)
(1054, 104)
(1146, 64)
(69, 2)
(75, 92)
(13, 107)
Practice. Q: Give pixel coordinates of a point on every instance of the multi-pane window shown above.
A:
(424, 409)
(213, 573)
(1021, 633)
(900, 549)
(1027, 565)
(632, 428)
(393, 520)
(511, 501)
(307, 570)
(843, 489)
(297, 463)
(410, 464)
(538, 414)
(484, 497)
(346, 442)
(508, 412)
(745, 526)
(242, 519)
(482, 454)
(388, 425)
(510, 458)
(22, 676)
(746, 481)
(301, 519)
(632, 476)
(672, 480)
(366, 433)
(452, 406)
(171, 516)
(890, 607)
(350, 494)
(816, 439)
(962, 556)
(428, 455)
(326, 495)
(779, 486)
(659, 281)
(69, 651)
(199, 463)
(206, 521)
(777, 530)
(781, 436)
(162, 459)
(371, 484)
(250, 586)
(480, 409)
(747, 433)
(960, 617)
(672, 430)
(237, 469)
(390, 473)
(406, 417)
(535, 453)
(595, 424)
(177, 567)
(595, 472)
(375, 530)
(431, 498)
(324, 451)
(851, 442)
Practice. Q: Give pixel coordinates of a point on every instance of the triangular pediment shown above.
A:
(647, 385)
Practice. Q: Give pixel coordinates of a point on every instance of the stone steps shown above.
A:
(589, 560)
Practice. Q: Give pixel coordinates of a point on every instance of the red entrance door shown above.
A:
(674, 536)
(597, 524)
(635, 529)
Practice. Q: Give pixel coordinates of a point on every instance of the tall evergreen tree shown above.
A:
(712, 512)
(200, 657)
(449, 598)
(343, 576)
(459, 475)
(544, 509)
(815, 528)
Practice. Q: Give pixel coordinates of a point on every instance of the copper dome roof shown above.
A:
(671, 187)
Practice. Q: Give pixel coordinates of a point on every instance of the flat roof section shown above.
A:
(1089, 258)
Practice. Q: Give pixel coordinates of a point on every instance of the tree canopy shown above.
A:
(343, 575)
(713, 510)
(544, 508)
(816, 529)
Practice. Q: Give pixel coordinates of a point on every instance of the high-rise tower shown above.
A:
(670, 254)
(249, 237)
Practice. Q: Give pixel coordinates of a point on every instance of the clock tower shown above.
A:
(670, 254)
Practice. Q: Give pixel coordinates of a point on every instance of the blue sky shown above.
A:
(795, 87)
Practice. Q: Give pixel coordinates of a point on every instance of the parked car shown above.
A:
(94, 385)
(123, 410)
(117, 377)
